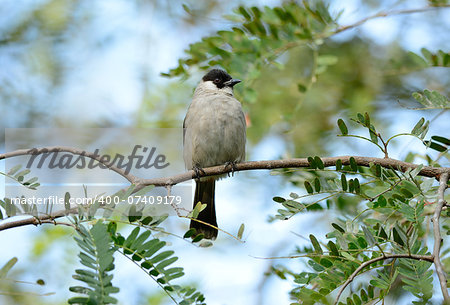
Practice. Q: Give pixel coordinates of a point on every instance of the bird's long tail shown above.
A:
(204, 193)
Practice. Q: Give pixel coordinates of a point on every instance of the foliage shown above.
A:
(146, 253)
(284, 54)
(389, 219)
(97, 256)
(97, 248)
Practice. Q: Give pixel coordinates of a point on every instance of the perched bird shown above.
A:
(214, 133)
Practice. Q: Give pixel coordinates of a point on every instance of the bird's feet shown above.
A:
(198, 171)
(232, 166)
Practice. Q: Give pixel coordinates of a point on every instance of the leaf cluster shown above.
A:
(388, 219)
(96, 256)
(150, 255)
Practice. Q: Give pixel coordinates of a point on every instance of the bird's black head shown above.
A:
(220, 78)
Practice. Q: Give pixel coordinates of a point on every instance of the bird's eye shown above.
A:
(217, 81)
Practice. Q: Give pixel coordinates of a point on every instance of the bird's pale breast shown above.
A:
(214, 131)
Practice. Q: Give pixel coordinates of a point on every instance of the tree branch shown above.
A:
(37, 220)
(429, 258)
(386, 14)
(437, 236)
(75, 151)
(426, 171)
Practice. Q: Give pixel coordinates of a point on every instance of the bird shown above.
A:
(214, 133)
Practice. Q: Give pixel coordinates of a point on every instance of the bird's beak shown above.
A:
(232, 82)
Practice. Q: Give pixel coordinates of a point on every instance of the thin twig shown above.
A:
(385, 191)
(386, 14)
(437, 236)
(37, 220)
(429, 258)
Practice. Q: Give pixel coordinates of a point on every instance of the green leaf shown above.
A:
(14, 170)
(357, 186)
(367, 120)
(30, 181)
(166, 263)
(370, 291)
(382, 235)
(351, 186)
(368, 235)
(424, 130)
(364, 296)
(378, 170)
(405, 192)
(138, 243)
(241, 231)
(333, 249)
(186, 8)
(99, 264)
(397, 237)
(445, 141)
(308, 187)
(112, 227)
(21, 174)
(197, 209)
(198, 237)
(432, 99)
(353, 165)
(161, 256)
(244, 13)
(67, 201)
(319, 162)
(312, 162)
(344, 182)
(79, 300)
(360, 118)
(342, 127)
(189, 233)
(317, 267)
(435, 146)
(416, 129)
(278, 199)
(356, 299)
(147, 220)
(362, 242)
(348, 256)
(338, 164)
(325, 262)
(5, 269)
(315, 244)
(327, 60)
(131, 238)
(153, 246)
(317, 184)
(301, 88)
(337, 227)
(417, 277)
(34, 186)
(373, 134)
